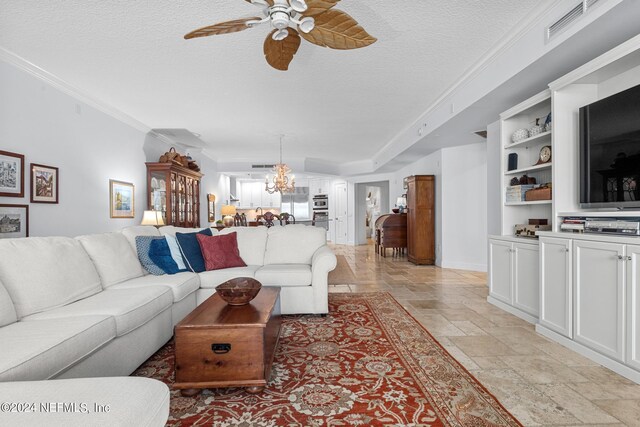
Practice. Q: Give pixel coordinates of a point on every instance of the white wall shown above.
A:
(494, 180)
(464, 207)
(88, 146)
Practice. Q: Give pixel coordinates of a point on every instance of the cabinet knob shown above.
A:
(629, 258)
(620, 257)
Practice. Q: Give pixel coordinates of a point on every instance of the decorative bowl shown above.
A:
(519, 135)
(239, 291)
(536, 130)
(395, 210)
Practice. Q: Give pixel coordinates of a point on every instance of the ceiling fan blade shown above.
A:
(316, 7)
(221, 28)
(337, 30)
(261, 2)
(279, 54)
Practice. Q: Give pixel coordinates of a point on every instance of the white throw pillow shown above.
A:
(113, 257)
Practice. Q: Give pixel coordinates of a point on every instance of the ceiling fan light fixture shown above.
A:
(298, 5)
(280, 18)
(280, 35)
(306, 25)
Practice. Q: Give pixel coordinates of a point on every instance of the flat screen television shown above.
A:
(610, 152)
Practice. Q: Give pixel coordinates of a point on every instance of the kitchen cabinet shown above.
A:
(633, 305)
(514, 275)
(319, 186)
(252, 195)
(556, 287)
(599, 320)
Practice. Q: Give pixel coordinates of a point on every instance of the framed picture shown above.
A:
(11, 174)
(121, 199)
(211, 207)
(14, 221)
(44, 184)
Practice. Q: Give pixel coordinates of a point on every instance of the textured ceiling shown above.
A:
(333, 105)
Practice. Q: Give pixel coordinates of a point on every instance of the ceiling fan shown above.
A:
(315, 20)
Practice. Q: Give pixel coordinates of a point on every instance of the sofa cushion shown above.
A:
(181, 284)
(45, 272)
(132, 401)
(170, 230)
(211, 279)
(44, 348)
(190, 249)
(220, 251)
(284, 275)
(293, 244)
(155, 256)
(252, 242)
(113, 257)
(139, 230)
(131, 307)
(7, 310)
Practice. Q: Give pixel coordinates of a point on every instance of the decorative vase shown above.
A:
(519, 135)
(536, 129)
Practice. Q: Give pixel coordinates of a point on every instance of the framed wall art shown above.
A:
(44, 184)
(121, 199)
(211, 208)
(14, 221)
(11, 174)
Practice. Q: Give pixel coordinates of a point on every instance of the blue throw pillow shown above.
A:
(191, 251)
(143, 245)
(160, 254)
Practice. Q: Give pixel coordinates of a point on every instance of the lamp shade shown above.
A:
(401, 201)
(228, 210)
(152, 218)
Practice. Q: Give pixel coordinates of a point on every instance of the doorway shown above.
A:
(340, 191)
(372, 200)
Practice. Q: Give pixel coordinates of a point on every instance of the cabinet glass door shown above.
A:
(158, 193)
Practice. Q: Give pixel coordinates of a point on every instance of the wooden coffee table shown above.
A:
(219, 345)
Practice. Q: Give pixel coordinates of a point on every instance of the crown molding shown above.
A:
(64, 87)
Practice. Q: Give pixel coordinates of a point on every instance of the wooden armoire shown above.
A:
(421, 219)
(175, 191)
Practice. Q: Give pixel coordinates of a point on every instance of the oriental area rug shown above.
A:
(367, 363)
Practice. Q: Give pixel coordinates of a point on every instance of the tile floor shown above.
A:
(540, 382)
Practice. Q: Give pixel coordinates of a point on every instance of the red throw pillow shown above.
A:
(220, 251)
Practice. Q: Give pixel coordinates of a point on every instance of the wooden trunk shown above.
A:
(219, 345)
(421, 219)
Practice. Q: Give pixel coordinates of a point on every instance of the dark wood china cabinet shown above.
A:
(175, 191)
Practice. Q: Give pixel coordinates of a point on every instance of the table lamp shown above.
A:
(152, 218)
(228, 212)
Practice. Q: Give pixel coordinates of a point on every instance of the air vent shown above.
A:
(262, 166)
(572, 16)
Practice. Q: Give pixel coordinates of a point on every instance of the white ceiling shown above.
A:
(337, 106)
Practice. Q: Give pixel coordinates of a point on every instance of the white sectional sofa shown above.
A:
(84, 307)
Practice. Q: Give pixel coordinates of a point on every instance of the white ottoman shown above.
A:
(115, 401)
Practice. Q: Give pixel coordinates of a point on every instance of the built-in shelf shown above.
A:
(534, 139)
(602, 214)
(529, 169)
(534, 202)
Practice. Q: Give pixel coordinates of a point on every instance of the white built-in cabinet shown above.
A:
(556, 290)
(599, 296)
(633, 306)
(252, 194)
(589, 284)
(319, 186)
(513, 276)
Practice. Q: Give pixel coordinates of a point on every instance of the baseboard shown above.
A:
(616, 367)
(512, 310)
(464, 266)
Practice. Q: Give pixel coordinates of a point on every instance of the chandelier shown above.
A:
(281, 180)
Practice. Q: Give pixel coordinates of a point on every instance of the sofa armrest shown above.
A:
(322, 262)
